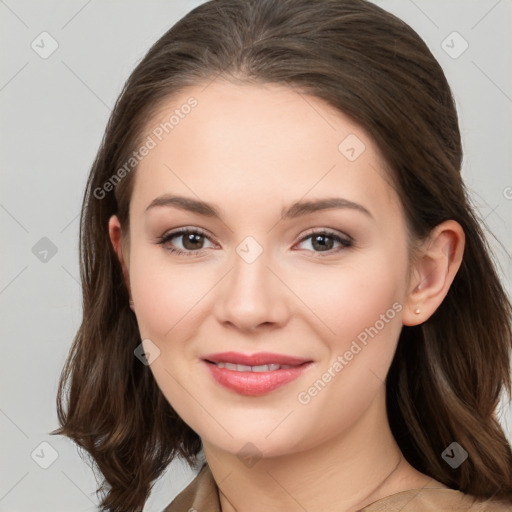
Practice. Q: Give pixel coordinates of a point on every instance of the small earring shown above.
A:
(417, 311)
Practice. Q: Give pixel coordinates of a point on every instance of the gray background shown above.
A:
(54, 112)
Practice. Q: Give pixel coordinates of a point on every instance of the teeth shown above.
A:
(265, 368)
(260, 368)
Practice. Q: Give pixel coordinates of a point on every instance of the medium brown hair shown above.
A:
(447, 375)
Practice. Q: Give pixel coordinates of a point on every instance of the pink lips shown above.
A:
(255, 383)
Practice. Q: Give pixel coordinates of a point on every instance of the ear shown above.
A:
(434, 269)
(115, 232)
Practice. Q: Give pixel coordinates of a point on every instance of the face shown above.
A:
(256, 273)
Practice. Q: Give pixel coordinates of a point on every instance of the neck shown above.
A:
(341, 474)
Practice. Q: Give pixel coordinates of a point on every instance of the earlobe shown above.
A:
(435, 269)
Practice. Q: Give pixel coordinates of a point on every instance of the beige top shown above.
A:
(202, 495)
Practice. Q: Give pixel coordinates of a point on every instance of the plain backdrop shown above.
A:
(54, 109)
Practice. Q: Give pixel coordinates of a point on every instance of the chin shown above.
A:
(256, 443)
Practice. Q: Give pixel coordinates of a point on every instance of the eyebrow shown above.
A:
(296, 209)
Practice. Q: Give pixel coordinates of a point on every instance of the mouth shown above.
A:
(257, 374)
(258, 368)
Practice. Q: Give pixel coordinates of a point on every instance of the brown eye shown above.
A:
(323, 242)
(192, 241)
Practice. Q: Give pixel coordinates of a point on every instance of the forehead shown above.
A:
(260, 144)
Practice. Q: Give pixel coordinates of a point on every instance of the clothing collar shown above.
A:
(202, 495)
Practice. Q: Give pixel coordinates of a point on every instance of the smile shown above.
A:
(257, 374)
(260, 368)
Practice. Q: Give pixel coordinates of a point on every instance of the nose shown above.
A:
(252, 295)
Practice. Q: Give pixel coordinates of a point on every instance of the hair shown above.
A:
(446, 378)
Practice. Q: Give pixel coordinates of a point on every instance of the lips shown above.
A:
(255, 374)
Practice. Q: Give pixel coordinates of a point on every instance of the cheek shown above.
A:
(345, 300)
(364, 321)
(166, 295)
(360, 309)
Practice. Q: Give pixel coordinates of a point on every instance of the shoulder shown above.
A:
(200, 494)
(438, 500)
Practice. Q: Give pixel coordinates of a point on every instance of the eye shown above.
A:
(323, 241)
(192, 241)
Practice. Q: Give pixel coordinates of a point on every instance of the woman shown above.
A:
(281, 267)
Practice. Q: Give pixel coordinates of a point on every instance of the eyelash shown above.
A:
(345, 242)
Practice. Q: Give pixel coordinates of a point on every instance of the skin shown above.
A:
(252, 150)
